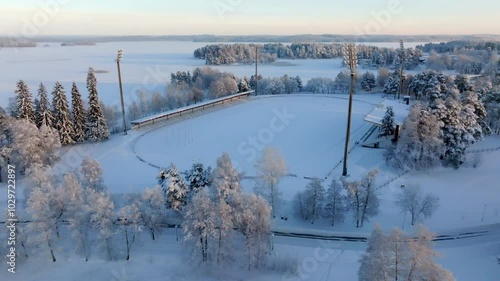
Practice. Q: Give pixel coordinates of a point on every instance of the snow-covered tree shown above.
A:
(391, 86)
(91, 175)
(368, 81)
(46, 206)
(31, 145)
(225, 224)
(421, 263)
(243, 85)
(334, 202)
(271, 167)
(198, 178)
(199, 225)
(153, 209)
(457, 136)
(309, 203)
(412, 200)
(102, 218)
(388, 124)
(300, 86)
(362, 197)
(62, 116)
(252, 220)
(475, 108)
(78, 113)
(43, 110)
(174, 188)
(78, 213)
(462, 83)
(96, 128)
(130, 220)
(373, 265)
(226, 179)
(398, 257)
(24, 103)
(420, 146)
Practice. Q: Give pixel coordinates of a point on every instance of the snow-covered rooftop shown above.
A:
(376, 115)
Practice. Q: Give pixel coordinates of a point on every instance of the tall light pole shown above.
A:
(351, 60)
(118, 59)
(256, 64)
(402, 62)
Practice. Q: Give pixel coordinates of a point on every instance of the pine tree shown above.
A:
(96, 128)
(388, 125)
(300, 86)
(334, 203)
(420, 146)
(62, 117)
(391, 86)
(368, 81)
(198, 178)
(312, 200)
(243, 85)
(462, 83)
(457, 133)
(44, 115)
(24, 102)
(78, 114)
(174, 188)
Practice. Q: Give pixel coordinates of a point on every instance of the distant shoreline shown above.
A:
(263, 38)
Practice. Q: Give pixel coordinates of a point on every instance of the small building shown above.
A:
(401, 110)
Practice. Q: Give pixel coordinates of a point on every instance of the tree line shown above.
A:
(220, 54)
(36, 128)
(448, 117)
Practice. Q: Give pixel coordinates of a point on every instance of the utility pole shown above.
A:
(350, 59)
(402, 62)
(118, 59)
(256, 64)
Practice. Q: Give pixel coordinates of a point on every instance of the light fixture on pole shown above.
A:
(402, 66)
(118, 59)
(256, 64)
(350, 60)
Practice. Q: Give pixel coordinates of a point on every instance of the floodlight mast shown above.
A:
(350, 60)
(118, 60)
(256, 64)
(401, 70)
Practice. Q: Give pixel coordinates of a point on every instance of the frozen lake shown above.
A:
(145, 66)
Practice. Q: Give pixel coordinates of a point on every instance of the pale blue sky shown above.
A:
(157, 17)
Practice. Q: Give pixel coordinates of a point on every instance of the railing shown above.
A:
(136, 124)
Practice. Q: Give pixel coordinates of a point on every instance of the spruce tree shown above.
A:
(24, 102)
(387, 128)
(43, 112)
(62, 117)
(96, 128)
(174, 188)
(78, 114)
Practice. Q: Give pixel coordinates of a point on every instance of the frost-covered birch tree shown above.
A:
(412, 200)
(271, 167)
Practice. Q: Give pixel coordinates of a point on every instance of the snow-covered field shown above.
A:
(145, 66)
(310, 131)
